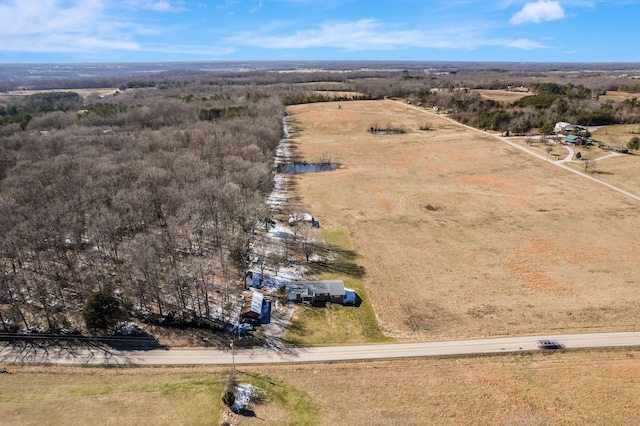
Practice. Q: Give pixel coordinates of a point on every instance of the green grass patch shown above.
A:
(102, 397)
(300, 407)
(60, 395)
(616, 135)
(336, 324)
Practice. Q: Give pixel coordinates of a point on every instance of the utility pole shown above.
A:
(233, 355)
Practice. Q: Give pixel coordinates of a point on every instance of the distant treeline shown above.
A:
(306, 98)
(550, 103)
(38, 104)
(221, 112)
(630, 88)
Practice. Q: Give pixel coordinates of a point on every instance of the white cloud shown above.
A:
(370, 34)
(188, 50)
(256, 8)
(365, 34)
(525, 44)
(158, 5)
(60, 26)
(537, 12)
(84, 27)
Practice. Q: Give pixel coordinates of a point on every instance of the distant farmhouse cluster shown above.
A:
(571, 134)
(574, 135)
(565, 128)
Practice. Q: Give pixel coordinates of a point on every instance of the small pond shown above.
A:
(299, 168)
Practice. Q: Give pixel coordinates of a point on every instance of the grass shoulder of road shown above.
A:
(336, 324)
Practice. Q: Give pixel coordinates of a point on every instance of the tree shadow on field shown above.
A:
(246, 412)
(45, 348)
(338, 261)
(295, 328)
(257, 377)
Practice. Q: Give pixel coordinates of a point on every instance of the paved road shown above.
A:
(95, 356)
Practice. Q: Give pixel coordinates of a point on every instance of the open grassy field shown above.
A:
(542, 388)
(54, 395)
(598, 388)
(79, 396)
(616, 135)
(461, 235)
(617, 96)
(501, 95)
(620, 170)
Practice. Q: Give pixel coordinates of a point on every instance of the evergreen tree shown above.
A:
(102, 310)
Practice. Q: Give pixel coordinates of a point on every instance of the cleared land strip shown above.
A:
(100, 356)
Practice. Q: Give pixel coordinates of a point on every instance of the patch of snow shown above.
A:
(243, 394)
(300, 217)
(278, 197)
(277, 200)
(127, 328)
(280, 231)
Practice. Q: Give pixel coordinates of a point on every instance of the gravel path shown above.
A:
(274, 331)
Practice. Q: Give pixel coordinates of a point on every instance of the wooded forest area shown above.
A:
(156, 191)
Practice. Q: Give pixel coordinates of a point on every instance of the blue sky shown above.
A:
(186, 30)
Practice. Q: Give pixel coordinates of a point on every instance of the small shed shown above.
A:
(351, 298)
(301, 217)
(265, 315)
(253, 279)
(316, 292)
(252, 307)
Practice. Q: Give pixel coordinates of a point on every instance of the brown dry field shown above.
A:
(621, 171)
(617, 96)
(82, 92)
(599, 387)
(462, 235)
(501, 95)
